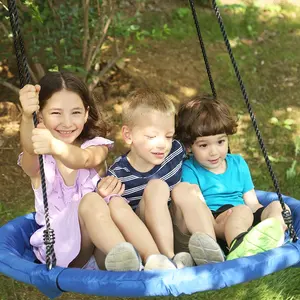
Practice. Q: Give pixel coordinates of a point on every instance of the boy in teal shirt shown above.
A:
(224, 179)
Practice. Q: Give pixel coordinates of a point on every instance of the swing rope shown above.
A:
(24, 75)
(207, 66)
(285, 212)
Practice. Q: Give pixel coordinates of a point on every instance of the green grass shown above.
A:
(266, 45)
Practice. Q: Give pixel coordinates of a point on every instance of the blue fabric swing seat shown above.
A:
(17, 261)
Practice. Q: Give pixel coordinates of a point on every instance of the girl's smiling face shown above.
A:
(64, 115)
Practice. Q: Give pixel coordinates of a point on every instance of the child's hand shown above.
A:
(29, 98)
(110, 185)
(43, 141)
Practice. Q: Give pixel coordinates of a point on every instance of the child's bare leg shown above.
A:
(274, 210)
(133, 229)
(239, 221)
(95, 216)
(192, 217)
(190, 213)
(154, 209)
(99, 230)
(266, 235)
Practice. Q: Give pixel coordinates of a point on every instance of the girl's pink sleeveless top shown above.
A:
(63, 203)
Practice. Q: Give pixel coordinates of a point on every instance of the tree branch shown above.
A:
(6, 32)
(91, 59)
(97, 77)
(33, 77)
(85, 4)
(10, 86)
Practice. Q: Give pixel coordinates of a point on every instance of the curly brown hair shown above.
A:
(203, 116)
(56, 81)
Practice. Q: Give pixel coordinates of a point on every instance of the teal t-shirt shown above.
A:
(220, 189)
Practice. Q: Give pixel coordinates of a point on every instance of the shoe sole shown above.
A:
(265, 236)
(123, 257)
(158, 262)
(183, 260)
(204, 249)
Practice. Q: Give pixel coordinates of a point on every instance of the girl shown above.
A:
(74, 157)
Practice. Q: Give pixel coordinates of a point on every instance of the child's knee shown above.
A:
(92, 204)
(154, 188)
(274, 209)
(242, 210)
(119, 207)
(185, 193)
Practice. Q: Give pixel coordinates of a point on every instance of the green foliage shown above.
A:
(55, 33)
(292, 172)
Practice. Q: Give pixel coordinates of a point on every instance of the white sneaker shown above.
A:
(183, 260)
(158, 262)
(204, 249)
(123, 257)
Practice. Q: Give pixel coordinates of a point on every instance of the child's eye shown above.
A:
(221, 142)
(150, 136)
(76, 112)
(203, 145)
(169, 137)
(55, 113)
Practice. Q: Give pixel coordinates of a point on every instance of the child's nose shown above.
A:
(67, 121)
(213, 150)
(162, 143)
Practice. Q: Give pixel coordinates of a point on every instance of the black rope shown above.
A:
(285, 213)
(49, 237)
(207, 66)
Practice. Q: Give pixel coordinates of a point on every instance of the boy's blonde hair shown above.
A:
(145, 99)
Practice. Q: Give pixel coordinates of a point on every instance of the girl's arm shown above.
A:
(30, 103)
(74, 157)
(71, 156)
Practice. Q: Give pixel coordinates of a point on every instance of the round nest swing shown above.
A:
(18, 261)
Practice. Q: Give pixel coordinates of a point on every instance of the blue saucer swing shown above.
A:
(17, 259)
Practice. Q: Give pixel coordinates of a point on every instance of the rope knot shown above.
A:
(287, 217)
(49, 237)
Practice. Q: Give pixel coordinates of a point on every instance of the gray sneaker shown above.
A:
(183, 260)
(123, 257)
(204, 249)
(158, 262)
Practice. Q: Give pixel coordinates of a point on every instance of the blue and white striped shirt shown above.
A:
(135, 182)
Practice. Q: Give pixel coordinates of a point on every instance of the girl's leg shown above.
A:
(98, 230)
(154, 211)
(274, 210)
(136, 232)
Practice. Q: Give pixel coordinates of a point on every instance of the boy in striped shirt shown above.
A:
(154, 195)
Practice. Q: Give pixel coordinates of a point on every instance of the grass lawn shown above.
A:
(266, 43)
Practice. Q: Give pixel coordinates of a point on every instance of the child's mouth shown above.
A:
(214, 161)
(159, 154)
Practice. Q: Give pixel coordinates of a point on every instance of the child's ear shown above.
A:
(188, 149)
(126, 134)
(40, 117)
